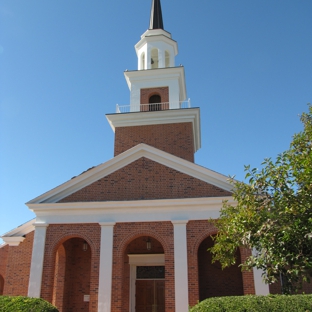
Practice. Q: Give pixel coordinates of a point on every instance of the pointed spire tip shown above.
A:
(156, 20)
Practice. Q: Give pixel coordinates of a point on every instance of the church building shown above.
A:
(132, 234)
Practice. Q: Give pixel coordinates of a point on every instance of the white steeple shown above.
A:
(156, 53)
(156, 49)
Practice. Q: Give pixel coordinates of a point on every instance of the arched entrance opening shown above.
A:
(213, 281)
(1, 285)
(154, 103)
(72, 272)
(147, 274)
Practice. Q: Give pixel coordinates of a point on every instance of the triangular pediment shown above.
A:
(141, 170)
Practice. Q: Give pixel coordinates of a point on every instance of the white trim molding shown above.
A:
(13, 240)
(122, 160)
(36, 267)
(146, 259)
(130, 211)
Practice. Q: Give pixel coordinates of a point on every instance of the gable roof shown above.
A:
(17, 235)
(140, 150)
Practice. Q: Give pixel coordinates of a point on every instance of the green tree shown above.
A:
(273, 215)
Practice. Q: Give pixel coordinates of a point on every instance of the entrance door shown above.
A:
(150, 296)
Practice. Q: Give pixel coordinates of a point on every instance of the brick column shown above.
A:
(106, 267)
(180, 266)
(36, 267)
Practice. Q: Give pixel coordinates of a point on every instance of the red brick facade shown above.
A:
(145, 95)
(4, 252)
(81, 274)
(18, 268)
(145, 179)
(176, 139)
(125, 235)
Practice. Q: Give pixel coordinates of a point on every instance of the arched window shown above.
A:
(154, 103)
(143, 60)
(167, 59)
(154, 58)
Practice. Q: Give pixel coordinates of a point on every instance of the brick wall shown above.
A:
(145, 94)
(197, 231)
(145, 179)
(176, 139)
(276, 288)
(18, 268)
(59, 278)
(128, 238)
(248, 278)
(77, 275)
(4, 252)
(58, 235)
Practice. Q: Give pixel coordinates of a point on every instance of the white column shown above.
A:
(180, 266)
(261, 288)
(36, 267)
(106, 267)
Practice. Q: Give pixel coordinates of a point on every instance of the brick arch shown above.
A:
(197, 231)
(59, 277)
(58, 241)
(134, 235)
(213, 280)
(124, 234)
(202, 237)
(60, 233)
(145, 94)
(154, 93)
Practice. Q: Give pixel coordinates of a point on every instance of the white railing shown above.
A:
(152, 107)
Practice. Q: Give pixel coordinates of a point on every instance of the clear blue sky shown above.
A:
(248, 67)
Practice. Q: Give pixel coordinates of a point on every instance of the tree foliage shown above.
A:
(273, 215)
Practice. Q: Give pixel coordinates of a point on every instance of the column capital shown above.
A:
(174, 222)
(107, 223)
(40, 224)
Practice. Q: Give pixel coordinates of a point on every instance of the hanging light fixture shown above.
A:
(148, 244)
(85, 246)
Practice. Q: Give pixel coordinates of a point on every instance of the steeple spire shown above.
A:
(156, 21)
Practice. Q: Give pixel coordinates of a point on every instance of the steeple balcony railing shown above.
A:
(152, 107)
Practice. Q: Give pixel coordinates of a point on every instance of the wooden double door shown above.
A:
(150, 296)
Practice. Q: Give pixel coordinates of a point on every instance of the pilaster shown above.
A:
(106, 267)
(180, 266)
(36, 268)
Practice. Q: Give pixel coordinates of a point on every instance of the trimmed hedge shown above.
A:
(25, 304)
(271, 303)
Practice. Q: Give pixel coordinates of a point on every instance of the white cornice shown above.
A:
(156, 37)
(13, 240)
(173, 210)
(159, 117)
(158, 76)
(156, 32)
(21, 230)
(123, 159)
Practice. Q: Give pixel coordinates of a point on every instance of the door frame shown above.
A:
(141, 260)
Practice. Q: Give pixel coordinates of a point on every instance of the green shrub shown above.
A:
(25, 304)
(271, 303)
